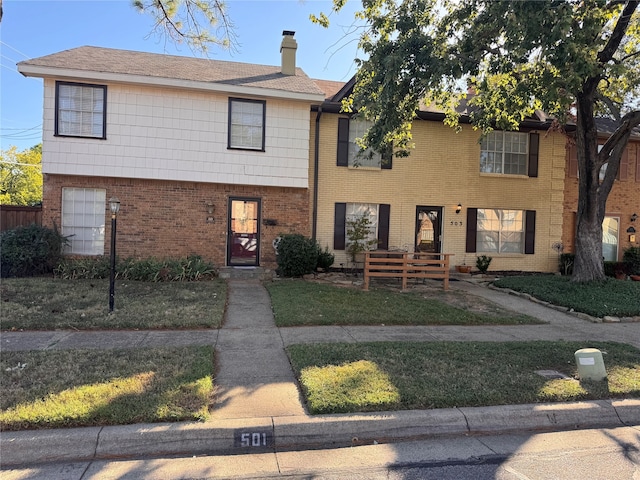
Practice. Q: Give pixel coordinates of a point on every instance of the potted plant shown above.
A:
(463, 268)
(358, 236)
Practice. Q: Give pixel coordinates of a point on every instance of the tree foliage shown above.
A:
(201, 24)
(21, 176)
(575, 60)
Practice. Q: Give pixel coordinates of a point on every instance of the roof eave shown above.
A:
(40, 71)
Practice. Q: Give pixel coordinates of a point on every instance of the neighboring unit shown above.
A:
(206, 157)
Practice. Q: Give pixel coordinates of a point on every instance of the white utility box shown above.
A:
(590, 364)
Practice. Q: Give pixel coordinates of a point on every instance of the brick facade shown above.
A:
(623, 201)
(167, 219)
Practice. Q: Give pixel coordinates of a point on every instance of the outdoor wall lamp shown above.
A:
(459, 208)
(114, 206)
(210, 210)
(634, 217)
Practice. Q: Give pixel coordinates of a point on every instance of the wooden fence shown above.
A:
(406, 265)
(12, 216)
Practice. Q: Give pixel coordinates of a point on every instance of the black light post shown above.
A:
(114, 205)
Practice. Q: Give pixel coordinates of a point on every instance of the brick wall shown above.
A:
(169, 219)
(623, 201)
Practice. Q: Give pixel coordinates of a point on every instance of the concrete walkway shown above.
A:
(258, 405)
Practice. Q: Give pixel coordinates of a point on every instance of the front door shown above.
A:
(243, 245)
(428, 229)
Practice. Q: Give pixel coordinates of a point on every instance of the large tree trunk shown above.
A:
(588, 264)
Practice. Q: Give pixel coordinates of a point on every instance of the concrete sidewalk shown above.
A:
(258, 406)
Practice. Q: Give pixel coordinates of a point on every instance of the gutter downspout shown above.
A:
(316, 162)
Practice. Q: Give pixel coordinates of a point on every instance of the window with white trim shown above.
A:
(246, 124)
(500, 231)
(358, 157)
(83, 214)
(610, 235)
(80, 110)
(358, 210)
(504, 152)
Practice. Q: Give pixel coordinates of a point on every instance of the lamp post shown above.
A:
(114, 206)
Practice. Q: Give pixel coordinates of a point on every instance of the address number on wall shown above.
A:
(457, 224)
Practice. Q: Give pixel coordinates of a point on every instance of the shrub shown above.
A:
(325, 259)
(631, 257)
(612, 269)
(297, 255)
(566, 262)
(483, 262)
(86, 267)
(31, 250)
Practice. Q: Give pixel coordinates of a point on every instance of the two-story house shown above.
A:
(206, 157)
(455, 193)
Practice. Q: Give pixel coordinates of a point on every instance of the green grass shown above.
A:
(48, 304)
(73, 388)
(609, 297)
(297, 302)
(424, 375)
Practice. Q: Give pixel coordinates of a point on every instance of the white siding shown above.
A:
(168, 134)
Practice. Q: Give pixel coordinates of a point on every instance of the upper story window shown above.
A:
(349, 152)
(504, 152)
(81, 110)
(246, 124)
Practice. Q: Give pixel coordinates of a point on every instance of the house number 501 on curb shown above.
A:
(255, 439)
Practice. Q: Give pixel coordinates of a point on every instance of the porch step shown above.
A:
(259, 273)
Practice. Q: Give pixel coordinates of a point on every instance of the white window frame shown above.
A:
(497, 229)
(357, 157)
(357, 210)
(83, 220)
(81, 110)
(247, 120)
(608, 234)
(504, 153)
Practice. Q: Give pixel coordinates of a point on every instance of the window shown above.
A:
(357, 157)
(359, 210)
(610, 229)
(81, 110)
(500, 231)
(246, 124)
(378, 214)
(83, 214)
(504, 152)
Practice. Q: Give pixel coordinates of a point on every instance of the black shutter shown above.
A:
(343, 142)
(383, 226)
(387, 160)
(530, 232)
(472, 229)
(339, 226)
(534, 147)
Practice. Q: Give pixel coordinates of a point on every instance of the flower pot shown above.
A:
(635, 278)
(463, 268)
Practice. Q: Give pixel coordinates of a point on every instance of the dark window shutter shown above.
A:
(623, 170)
(387, 160)
(383, 226)
(343, 142)
(472, 229)
(637, 163)
(339, 226)
(530, 232)
(573, 161)
(534, 147)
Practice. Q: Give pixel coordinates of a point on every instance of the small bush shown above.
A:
(483, 262)
(612, 269)
(297, 255)
(89, 268)
(325, 259)
(31, 250)
(566, 262)
(631, 257)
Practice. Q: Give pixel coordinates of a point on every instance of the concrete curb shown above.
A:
(255, 435)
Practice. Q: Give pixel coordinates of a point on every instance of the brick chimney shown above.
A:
(288, 50)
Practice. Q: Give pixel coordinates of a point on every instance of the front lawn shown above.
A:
(47, 304)
(347, 377)
(610, 297)
(298, 302)
(77, 388)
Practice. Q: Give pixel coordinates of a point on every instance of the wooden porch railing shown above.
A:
(406, 265)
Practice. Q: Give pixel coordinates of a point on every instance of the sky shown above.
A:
(34, 28)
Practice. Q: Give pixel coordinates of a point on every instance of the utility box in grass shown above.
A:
(590, 365)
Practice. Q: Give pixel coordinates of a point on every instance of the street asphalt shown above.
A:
(258, 407)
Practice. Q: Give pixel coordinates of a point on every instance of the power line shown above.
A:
(14, 49)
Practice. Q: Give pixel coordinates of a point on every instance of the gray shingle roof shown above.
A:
(107, 60)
